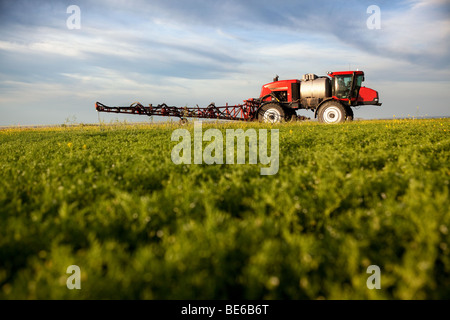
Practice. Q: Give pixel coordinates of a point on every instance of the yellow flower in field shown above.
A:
(290, 131)
(84, 146)
(70, 144)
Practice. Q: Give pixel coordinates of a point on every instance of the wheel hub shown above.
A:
(332, 115)
(272, 116)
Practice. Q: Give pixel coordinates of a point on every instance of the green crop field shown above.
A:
(110, 200)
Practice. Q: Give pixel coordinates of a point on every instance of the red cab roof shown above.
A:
(337, 73)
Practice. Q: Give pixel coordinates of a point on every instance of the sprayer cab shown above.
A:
(347, 85)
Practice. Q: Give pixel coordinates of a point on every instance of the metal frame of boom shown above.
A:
(244, 112)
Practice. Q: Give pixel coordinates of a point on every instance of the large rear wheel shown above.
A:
(271, 113)
(332, 112)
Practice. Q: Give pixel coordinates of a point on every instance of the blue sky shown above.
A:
(197, 52)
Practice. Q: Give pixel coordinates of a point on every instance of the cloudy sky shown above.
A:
(201, 51)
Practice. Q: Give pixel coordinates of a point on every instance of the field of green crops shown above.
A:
(110, 200)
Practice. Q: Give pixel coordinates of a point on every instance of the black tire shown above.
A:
(291, 115)
(332, 112)
(349, 114)
(271, 113)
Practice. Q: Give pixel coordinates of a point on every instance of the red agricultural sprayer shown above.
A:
(330, 97)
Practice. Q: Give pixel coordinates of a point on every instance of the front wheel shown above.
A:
(332, 112)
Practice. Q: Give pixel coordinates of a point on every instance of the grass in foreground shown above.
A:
(110, 200)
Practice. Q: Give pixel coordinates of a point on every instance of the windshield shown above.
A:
(343, 83)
